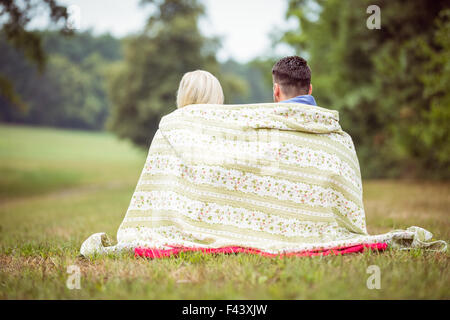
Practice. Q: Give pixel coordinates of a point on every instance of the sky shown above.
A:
(243, 25)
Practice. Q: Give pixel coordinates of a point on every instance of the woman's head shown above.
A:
(198, 87)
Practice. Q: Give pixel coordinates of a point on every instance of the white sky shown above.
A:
(243, 25)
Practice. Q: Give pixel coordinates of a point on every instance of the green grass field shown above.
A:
(57, 187)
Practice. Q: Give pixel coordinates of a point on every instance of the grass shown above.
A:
(57, 187)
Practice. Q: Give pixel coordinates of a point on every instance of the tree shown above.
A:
(143, 87)
(251, 81)
(376, 79)
(15, 17)
(71, 92)
(434, 131)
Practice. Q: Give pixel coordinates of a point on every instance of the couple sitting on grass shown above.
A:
(276, 178)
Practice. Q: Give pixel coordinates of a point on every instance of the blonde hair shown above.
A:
(198, 87)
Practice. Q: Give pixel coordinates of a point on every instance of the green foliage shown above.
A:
(14, 17)
(77, 47)
(36, 161)
(9, 95)
(388, 84)
(71, 92)
(250, 78)
(143, 87)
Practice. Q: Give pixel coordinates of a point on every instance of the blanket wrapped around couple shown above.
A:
(273, 178)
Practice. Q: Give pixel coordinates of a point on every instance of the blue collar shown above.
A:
(305, 99)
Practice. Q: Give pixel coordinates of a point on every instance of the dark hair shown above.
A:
(293, 75)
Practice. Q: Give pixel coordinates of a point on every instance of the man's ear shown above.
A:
(310, 89)
(276, 92)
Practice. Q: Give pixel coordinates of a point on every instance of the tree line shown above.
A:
(390, 85)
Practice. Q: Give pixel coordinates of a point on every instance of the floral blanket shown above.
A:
(276, 178)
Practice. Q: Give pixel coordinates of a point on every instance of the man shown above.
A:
(292, 81)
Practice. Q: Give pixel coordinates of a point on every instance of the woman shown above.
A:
(199, 87)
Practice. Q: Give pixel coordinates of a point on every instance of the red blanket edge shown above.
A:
(161, 253)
